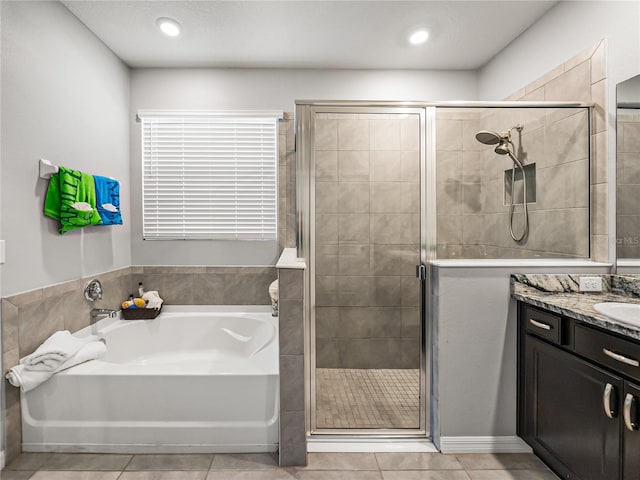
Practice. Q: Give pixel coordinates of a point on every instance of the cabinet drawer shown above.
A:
(543, 324)
(616, 353)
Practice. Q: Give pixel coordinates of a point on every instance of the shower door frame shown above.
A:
(304, 150)
(305, 112)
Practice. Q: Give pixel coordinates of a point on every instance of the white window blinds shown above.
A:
(209, 175)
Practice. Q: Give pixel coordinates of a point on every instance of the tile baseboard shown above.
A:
(506, 444)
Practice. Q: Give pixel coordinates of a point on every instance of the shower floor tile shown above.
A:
(367, 398)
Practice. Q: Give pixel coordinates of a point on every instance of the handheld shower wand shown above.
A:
(504, 147)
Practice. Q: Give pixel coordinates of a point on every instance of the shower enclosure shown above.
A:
(383, 190)
(367, 363)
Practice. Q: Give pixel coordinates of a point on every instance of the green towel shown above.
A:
(71, 199)
(52, 200)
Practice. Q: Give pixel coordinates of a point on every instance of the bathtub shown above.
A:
(194, 380)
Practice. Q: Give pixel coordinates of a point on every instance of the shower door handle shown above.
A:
(421, 271)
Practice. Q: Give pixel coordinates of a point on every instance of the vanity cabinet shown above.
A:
(577, 408)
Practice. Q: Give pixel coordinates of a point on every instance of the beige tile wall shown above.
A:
(460, 225)
(31, 317)
(367, 240)
(286, 182)
(628, 188)
(557, 142)
(472, 220)
(293, 442)
(583, 78)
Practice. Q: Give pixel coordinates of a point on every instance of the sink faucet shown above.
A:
(99, 312)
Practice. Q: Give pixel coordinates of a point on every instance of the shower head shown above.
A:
(493, 138)
(503, 147)
(489, 138)
(501, 139)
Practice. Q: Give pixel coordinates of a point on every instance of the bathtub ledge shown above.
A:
(289, 259)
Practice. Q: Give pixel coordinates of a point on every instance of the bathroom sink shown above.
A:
(628, 313)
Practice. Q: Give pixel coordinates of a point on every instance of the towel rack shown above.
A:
(47, 169)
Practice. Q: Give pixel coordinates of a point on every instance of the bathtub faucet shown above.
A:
(99, 312)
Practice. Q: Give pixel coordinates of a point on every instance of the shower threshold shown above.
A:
(360, 444)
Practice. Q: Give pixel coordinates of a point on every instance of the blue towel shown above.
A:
(108, 200)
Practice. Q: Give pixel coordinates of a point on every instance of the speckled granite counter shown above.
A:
(560, 294)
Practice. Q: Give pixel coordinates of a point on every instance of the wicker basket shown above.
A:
(141, 313)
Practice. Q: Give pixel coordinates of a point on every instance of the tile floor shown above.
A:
(367, 398)
(322, 466)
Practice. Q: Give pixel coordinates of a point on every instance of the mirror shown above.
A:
(628, 176)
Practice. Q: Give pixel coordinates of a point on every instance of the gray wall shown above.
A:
(629, 91)
(260, 89)
(564, 31)
(65, 98)
(475, 350)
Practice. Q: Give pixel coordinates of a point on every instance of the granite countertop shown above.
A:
(561, 294)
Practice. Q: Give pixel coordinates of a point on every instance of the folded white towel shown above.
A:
(20, 376)
(55, 350)
(153, 299)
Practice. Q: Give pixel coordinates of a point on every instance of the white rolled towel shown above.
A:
(20, 376)
(55, 350)
(153, 299)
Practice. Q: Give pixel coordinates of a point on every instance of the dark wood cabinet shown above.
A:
(631, 436)
(578, 411)
(565, 414)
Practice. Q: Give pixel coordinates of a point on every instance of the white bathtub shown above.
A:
(195, 379)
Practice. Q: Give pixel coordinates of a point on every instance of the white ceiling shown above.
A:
(309, 34)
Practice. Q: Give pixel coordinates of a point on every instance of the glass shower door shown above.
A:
(365, 245)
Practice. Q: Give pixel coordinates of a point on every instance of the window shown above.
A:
(209, 175)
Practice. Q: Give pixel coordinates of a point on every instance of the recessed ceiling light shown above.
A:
(418, 37)
(168, 26)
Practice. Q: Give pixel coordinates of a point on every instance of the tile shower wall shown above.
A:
(367, 206)
(583, 78)
(628, 178)
(31, 317)
(472, 219)
(473, 213)
(286, 182)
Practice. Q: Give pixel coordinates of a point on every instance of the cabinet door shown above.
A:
(631, 436)
(565, 419)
